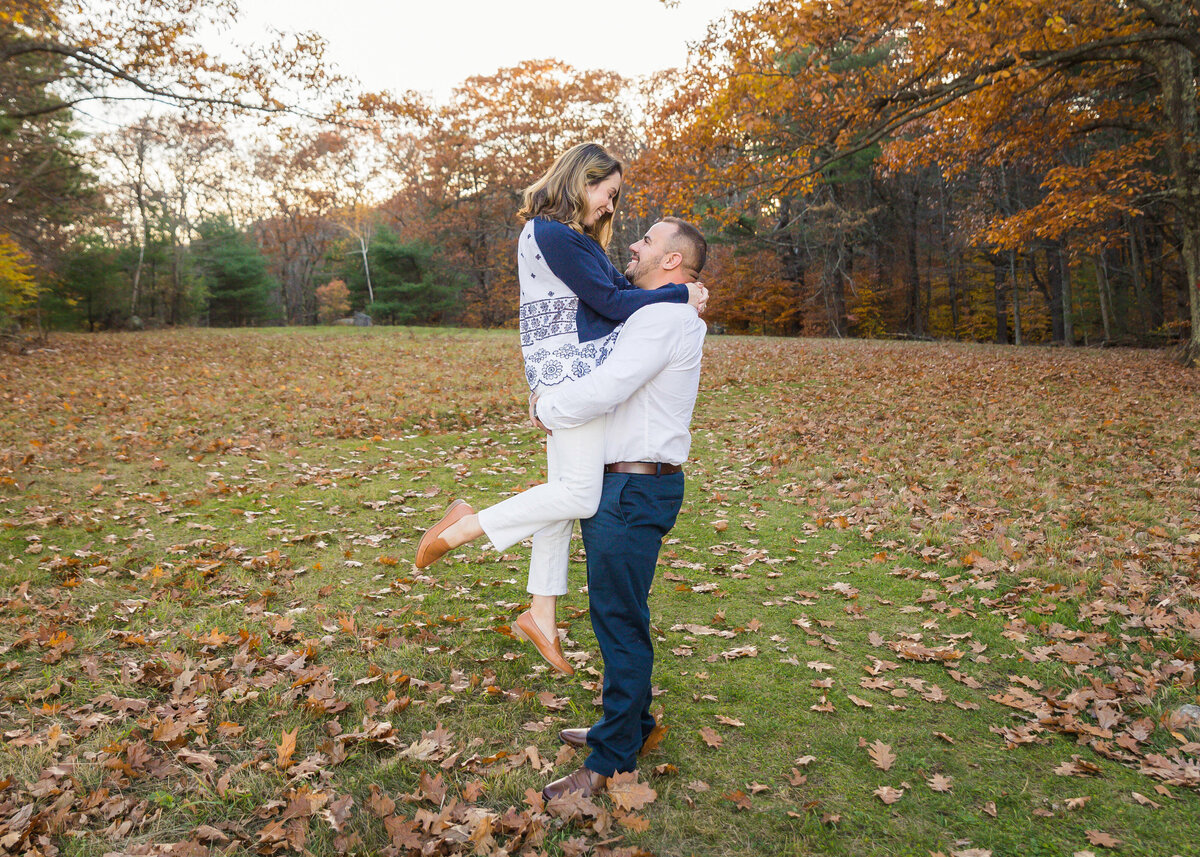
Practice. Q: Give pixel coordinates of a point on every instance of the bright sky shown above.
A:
(431, 45)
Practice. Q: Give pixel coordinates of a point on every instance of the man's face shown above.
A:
(648, 251)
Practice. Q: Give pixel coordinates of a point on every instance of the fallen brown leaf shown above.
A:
(1104, 840)
(286, 749)
(888, 795)
(739, 798)
(881, 755)
(940, 783)
(628, 794)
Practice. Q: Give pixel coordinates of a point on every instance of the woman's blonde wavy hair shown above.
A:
(561, 193)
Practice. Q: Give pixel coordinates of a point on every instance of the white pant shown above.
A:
(575, 478)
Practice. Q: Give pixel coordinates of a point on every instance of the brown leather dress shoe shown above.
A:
(526, 628)
(585, 781)
(577, 737)
(432, 546)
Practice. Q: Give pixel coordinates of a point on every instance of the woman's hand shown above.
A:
(533, 417)
(697, 296)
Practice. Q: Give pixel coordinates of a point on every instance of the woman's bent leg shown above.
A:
(548, 574)
(575, 480)
(575, 472)
(549, 558)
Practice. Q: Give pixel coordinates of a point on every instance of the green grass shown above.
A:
(968, 505)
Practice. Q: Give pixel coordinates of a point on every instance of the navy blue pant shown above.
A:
(622, 541)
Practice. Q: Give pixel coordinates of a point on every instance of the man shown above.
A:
(647, 441)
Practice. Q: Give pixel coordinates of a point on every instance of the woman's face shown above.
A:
(601, 197)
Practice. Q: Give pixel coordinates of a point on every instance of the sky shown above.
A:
(432, 45)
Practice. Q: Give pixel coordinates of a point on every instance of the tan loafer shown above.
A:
(526, 628)
(432, 546)
(584, 781)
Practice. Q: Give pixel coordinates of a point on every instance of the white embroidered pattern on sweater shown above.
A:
(548, 326)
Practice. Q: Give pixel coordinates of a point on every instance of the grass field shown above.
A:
(921, 599)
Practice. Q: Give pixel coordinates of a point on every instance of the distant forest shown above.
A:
(1024, 172)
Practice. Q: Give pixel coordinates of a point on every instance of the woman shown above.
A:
(572, 302)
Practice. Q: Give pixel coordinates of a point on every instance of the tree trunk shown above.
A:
(1001, 304)
(1153, 257)
(141, 203)
(915, 325)
(1067, 310)
(928, 284)
(1190, 352)
(1177, 77)
(1054, 291)
(175, 305)
(1135, 275)
(1102, 293)
(951, 257)
(137, 277)
(952, 285)
(833, 289)
(366, 270)
(1016, 298)
(792, 260)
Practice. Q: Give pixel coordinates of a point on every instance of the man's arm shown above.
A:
(643, 349)
(578, 261)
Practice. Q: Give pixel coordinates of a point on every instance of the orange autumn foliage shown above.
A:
(777, 94)
(493, 137)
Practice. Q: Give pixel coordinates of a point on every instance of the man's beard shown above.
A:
(634, 271)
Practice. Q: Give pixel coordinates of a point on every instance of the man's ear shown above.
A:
(672, 260)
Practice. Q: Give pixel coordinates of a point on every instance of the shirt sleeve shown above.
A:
(643, 349)
(579, 262)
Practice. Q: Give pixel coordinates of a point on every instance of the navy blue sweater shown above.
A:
(606, 298)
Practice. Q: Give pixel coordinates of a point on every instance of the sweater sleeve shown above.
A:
(579, 262)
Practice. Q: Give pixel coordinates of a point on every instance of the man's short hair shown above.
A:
(689, 242)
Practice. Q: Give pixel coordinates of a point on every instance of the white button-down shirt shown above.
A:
(648, 383)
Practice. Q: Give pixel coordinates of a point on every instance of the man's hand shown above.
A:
(533, 417)
(697, 296)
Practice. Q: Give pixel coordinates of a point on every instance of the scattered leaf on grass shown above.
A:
(1104, 840)
(627, 793)
(888, 795)
(881, 755)
(940, 783)
(739, 798)
(286, 749)
(1078, 767)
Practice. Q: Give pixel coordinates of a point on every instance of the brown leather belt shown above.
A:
(645, 468)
